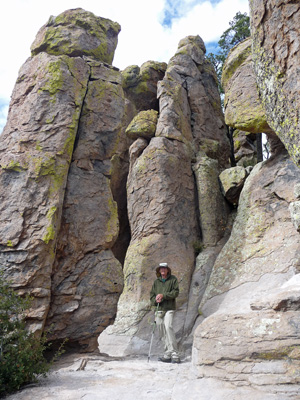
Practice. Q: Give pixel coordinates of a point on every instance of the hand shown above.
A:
(159, 298)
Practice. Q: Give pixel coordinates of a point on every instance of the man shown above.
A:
(164, 292)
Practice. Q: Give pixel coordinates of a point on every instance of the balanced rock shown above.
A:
(232, 181)
(77, 33)
(143, 125)
(243, 108)
(190, 105)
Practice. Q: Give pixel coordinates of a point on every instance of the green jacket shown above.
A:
(169, 289)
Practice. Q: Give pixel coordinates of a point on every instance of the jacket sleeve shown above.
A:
(153, 295)
(173, 291)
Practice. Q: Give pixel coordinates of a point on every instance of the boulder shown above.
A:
(78, 33)
(242, 106)
(232, 181)
(275, 30)
(143, 125)
(140, 84)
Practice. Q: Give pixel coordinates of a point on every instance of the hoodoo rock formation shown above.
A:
(105, 173)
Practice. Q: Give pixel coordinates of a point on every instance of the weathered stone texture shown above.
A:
(213, 210)
(232, 181)
(36, 148)
(78, 33)
(275, 34)
(55, 99)
(243, 108)
(162, 193)
(143, 125)
(190, 106)
(262, 254)
(245, 148)
(158, 198)
(140, 84)
(85, 270)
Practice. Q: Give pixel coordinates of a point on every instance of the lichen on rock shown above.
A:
(78, 33)
(143, 125)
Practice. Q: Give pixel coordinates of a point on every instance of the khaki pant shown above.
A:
(164, 322)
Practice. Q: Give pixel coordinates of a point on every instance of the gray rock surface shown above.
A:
(140, 84)
(35, 150)
(162, 195)
(235, 341)
(80, 276)
(62, 163)
(80, 199)
(232, 181)
(276, 32)
(77, 33)
(94, 377)
(242, 105)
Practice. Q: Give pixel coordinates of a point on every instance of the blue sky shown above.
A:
(176, 9)
(150, 30)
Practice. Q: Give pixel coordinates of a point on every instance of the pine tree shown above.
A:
(238, 31)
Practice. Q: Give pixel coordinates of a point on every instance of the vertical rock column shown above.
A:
(162, 200)
(87, 278)
(36, 149)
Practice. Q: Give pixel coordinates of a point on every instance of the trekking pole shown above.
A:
(153, 329)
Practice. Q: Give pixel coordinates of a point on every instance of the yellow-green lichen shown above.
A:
(50, 235)
(55, 79)
(282, 118)
(13, 166)
(57, 41)
(38, 146)
(9, 243)
(290, 352)
(235, 58)
(50, 232)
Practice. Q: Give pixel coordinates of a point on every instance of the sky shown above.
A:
(150, 30)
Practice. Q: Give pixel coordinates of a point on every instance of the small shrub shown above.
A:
(21, 352)
(198, 247)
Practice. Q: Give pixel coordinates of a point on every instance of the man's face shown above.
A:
(163, 272)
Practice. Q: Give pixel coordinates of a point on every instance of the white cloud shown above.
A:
(142, 37)
(3, 116)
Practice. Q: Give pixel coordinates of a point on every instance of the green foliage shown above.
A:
(238, 31)
(21, 352)
(198, 247)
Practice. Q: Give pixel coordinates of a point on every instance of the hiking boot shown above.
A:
(175, 359)
(164, 359)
